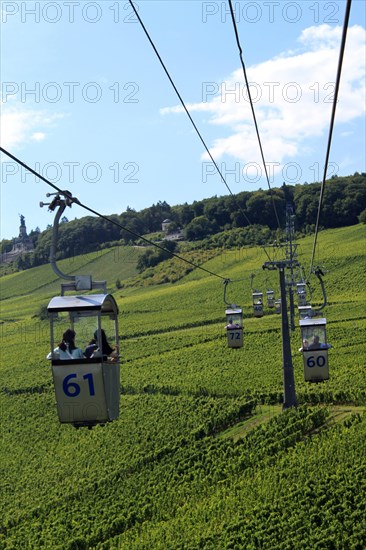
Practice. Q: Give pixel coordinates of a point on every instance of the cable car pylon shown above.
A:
(289, 391)
(291, 256)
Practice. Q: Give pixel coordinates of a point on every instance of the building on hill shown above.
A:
(165, 225)
(22, 244)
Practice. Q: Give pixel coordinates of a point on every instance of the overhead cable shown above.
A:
(335, 99)
(76, 201)
(182, 102)
(252, 107)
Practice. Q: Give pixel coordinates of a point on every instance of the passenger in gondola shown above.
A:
(316, 344)
(94, 350)
(305, 345)
(67, 348)
(91, 348)
(232, 325)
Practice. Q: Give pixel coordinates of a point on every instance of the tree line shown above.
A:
(344, 204)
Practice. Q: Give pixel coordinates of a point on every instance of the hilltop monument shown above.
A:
(22, 244)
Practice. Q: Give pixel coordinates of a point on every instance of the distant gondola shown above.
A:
(301, 294)
(234, 327)
(270, 298)
(257, 304)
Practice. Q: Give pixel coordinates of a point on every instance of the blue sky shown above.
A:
(85, 101)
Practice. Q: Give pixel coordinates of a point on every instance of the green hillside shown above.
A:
(202, 455)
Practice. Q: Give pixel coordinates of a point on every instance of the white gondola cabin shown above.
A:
(305, 312)
(87, 388)
(301, 294)
(257, 304)
(278, 307)
(314, 349)
(234, 327)
(270, 298)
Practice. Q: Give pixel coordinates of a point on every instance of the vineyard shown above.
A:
(202, 455)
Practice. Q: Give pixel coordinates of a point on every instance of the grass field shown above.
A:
(202, 455)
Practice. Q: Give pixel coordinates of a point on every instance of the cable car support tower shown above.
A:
(289, 392)
(291, 258)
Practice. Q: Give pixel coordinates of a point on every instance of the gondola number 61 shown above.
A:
(72, 389)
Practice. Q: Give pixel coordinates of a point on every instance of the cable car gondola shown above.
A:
(234, 320)
(87, 384)
(278, 307)
(306, 312)
(270, 299)
(314, 349)
(234, 327)
(257, 304)
(301, 294)
(87, 389)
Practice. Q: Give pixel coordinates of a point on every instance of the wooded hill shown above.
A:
(233, 220)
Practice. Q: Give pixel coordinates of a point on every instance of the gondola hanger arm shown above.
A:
(319, 274)
(76, 282)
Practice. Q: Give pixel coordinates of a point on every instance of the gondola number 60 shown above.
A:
(318, 362)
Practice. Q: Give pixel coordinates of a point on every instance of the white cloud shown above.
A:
(321, 36)
(292, 95)
(38, 136)
(19, 125)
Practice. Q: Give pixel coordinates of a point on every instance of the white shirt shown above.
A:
(60, 354)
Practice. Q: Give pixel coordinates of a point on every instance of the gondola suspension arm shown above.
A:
(319, 273)
(61, 204)
(225, 283)
(77, 282)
